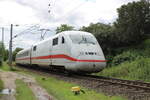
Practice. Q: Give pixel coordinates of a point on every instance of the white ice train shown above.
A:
(74, 51)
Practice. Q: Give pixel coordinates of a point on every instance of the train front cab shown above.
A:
(87, 54)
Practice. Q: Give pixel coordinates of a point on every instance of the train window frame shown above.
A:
(55, 41)
(63, 40)
(34, 48)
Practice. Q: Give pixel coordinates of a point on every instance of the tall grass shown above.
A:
(1, 87)
(136, 70)
(5, 67)
(133, 63)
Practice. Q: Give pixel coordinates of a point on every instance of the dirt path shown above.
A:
(9, 83)
(8, 80)
(38, 91)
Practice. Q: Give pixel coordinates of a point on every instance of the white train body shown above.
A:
(76, 51)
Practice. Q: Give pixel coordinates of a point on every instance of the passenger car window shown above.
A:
(34, 48)
(55, 41)
(63, 40)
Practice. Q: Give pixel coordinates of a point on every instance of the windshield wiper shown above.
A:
(83, 39)
(91, 43)
(80, 41)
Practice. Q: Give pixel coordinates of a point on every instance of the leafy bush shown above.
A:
(0, 63)
(128, 54)
(130, 63)
(125, 56)
(136, 70)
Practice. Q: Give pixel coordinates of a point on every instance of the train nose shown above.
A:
(90, 67)
(90, 64)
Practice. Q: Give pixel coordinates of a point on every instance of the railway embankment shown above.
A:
(133, 63)
(133, 90)
(59, 85)
(60, 89)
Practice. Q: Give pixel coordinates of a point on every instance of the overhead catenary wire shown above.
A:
(34, 27)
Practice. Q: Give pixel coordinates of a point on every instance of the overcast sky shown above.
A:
(27, 13)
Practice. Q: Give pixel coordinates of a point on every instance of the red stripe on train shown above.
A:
(62, 56)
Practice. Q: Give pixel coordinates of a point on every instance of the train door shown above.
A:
(33, 54)
(59, 51)
(55, 51)
(63, 49)
(63, 45)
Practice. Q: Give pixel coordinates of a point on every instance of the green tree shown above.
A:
(15, 52)
(133, 21)
(2, 48)
(96, 28)
(2, 52)
(6, 54)
(64, 27)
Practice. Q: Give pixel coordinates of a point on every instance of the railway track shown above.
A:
(133, 90)
(136, 84)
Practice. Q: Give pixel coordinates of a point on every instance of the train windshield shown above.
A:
(83, 39)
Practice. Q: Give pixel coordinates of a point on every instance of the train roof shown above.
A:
(23, 51)
(61, 33)
(65, 33)
(74, 32)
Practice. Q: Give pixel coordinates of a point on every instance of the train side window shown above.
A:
(63, 40)
(55, 41)
(34, 48)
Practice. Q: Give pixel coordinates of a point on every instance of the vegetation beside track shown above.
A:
(5, 67)
(59, 89)
(2, 67)
(62, 90)
(23, 92)
(1, 86)
(133, 63)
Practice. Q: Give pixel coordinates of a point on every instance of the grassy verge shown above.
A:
(23, 92)
(5, 67)
(1, 86)
(62, 90)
